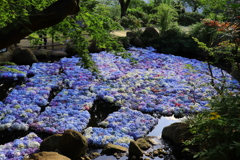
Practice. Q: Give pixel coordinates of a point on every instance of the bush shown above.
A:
(217, 131)
(139, 15)
(166, 15)
(203, 33)
(130, 22)
(189, 18)
(177, 42)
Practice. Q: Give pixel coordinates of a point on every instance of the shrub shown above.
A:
(130, 22)
(177, 42)
(165, 16)
(217, 131)
(139, 15)
(189, 18)
(203, 33)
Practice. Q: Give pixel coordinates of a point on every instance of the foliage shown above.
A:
(130, 22)
(189, 18)
(194, 4)
(12, 10)
(217, 131)
(6, 69)
(177, 42)
(7, 63)
(165, 16)
(139, 14)
(80, 29)
(203, 33)
(112, 12)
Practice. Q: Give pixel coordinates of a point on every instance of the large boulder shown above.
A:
(143, 143)
(110, 149)
(137, 42)
(73, 144)
(51, 143)
(134, 150)
(24, 57)
(58, 54)
(71, 49)
(93, 48)
(8, 55)
(42, 53)
(176, 132)
(47, 156)
(150, 32)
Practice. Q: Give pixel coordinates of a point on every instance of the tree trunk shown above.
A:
(124, 6)
(50, 16)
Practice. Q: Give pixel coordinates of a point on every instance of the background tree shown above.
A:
(193, 4)
(124, 6)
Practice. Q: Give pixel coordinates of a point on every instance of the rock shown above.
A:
(94, 155)
(59, 54)
(51, 143)
(42, 53)
(176, 132)
(11, 49)
(110, 149)
(129, 34)
(47, 156)
(7, 56)
(93, 48)
(150, 32)
(137, 42)
(24, 57)
(152, 140)
(134, 150)
(143, 143)
(155, 153)
(73, 144)
(71, 49)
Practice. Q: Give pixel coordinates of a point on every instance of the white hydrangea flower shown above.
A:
(124, 139)
(33, 145)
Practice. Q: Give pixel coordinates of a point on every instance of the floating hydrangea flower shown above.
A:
(75, 99)
(44, 68)
(52, 81)
(130, 122)
(19, 149)
(20, 72)
(55, 120)
(102, 136)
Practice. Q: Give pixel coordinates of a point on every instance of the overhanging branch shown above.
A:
(50, 16)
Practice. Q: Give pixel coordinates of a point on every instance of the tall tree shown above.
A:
(193, 4)
(124, 6)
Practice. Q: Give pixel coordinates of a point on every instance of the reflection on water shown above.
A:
(163, 122)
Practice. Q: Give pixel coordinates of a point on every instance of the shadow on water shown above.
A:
(99, 111)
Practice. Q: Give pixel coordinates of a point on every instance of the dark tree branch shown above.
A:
(50, 16)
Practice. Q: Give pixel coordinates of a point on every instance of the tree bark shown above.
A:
(124, 6)
(50, 16)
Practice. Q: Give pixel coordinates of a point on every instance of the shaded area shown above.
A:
(99, 111)
(7, 87)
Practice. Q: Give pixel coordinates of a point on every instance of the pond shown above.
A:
(125, 101)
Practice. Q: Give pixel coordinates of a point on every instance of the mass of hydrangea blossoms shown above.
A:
(157, 83)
